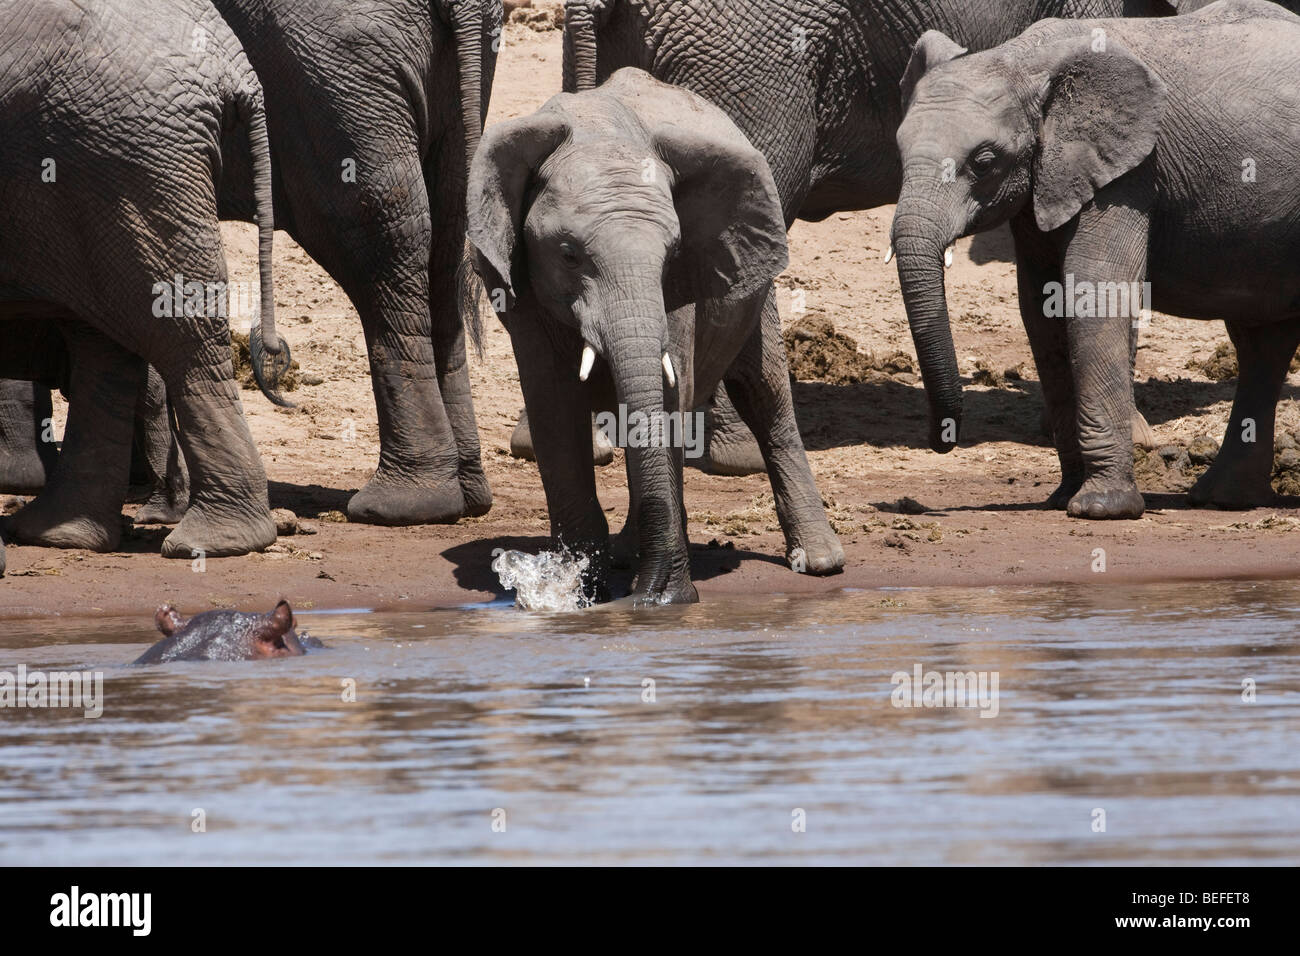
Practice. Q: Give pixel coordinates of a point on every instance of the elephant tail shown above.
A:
(471, 29)
(268, 353)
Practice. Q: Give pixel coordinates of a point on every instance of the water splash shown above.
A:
(549, 581)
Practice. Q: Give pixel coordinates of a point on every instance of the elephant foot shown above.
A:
(161, 508)
(475, 490)
(1100, 502)
(387, 502)
(1232, 486)
(47, 524)
(1070, 484)
(213, 534)
(677, 592)
(521, 440)
(602, 451)
(664, 578)
(732, 449)
(521, 443)
(818, 553)
(1143, 435)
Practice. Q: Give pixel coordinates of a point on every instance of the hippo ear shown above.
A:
(169, 620)
(272, 628)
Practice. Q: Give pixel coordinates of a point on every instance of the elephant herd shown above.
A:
(628, 234)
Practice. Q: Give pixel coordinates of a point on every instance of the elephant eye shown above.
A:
(569, 253)
(982, 160)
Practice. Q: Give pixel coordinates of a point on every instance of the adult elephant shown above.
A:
(374, 111)
(814, 85)
(1104, 145)
(88, 271)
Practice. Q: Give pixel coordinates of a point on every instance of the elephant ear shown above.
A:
(1101, 115)
(732, 226)
(507, 157)
(931, 50)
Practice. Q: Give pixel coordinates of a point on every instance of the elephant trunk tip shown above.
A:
(945, 431)
(269, 365)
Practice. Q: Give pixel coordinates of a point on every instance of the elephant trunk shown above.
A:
(634, 341)
(579, 47)
(920, 245)
(268, 353)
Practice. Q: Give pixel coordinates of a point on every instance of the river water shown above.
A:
(752, 730)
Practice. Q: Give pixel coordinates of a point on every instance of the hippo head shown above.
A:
(226, 636)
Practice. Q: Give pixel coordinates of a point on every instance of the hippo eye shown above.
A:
(982, 160)
(569, 253)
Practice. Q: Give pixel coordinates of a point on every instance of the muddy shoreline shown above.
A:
(970, 543)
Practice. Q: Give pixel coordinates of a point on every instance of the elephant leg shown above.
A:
(759, 383)
(27, 460)
(562, 440)
(1037, 265)
(1242, 471)
(385, 253)
(228, 512)
(1143, 435)
(418, 478)
(156, 445)
(453, 291)
(625, 545)
(732, 447)
(1107, 248)
(521, 443)
(81, 506)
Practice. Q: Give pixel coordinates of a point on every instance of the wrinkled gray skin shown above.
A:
(156, 460)
(588, 250)
(1116, 166)
(400, 88)
(394, 237)
(1191, 6)
(34, 352)
(814, 85)
(226, 636)
(25, 460)
(142, 106)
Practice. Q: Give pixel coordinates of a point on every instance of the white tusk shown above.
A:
(668, 370)
(588, 360)
(889, 253)
(947, 257)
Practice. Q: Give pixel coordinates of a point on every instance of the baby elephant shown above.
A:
(628, 235)
(1141, 164)
(226, 636)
